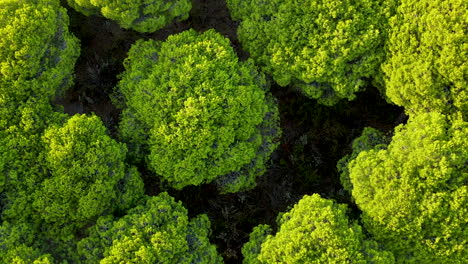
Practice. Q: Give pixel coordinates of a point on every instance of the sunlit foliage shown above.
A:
(196, 113)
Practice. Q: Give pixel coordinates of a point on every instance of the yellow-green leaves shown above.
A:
(157, 231)
(37, 53)
(85, 169)
(19, 245)
(328, 49)
(316, 230)
(139, 15)
(197, 112)
(427, 67)
(413, 193)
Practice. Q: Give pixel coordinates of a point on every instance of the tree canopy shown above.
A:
(315, 230)
(413, 193)
(327, 49)
(19, 245)
(427, 65)
(170, 139)
(37, 53)
(196, 112)
(67, 177)
(156, 231)
(85, 166)
(139, 15)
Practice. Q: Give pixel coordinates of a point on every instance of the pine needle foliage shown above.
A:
(196, 113)
(315, 230)
(37, 52)
(414, 192)
(329, 49)
(139, 15)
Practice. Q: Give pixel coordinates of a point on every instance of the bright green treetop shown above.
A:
(329, 49)
(414, 192)
(157, 231)
(66, 176)
(139, 15)
(37, 53)
(21, 152)
(427, 66)
(85, 168)
(316, 230)
(18, 245)
(196, 112)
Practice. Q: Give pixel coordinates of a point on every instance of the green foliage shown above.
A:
(196, 112)
(21, 153)
(140, 15)
(17, 245)
(427, 65)
(414, 192)
(316, 230)
(370, 139)
(252, 249)
(328, 49)
(37, 53)
(85, 167)
(157, 231)
(66, 176)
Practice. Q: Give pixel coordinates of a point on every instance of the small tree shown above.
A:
(316, 230)
(139, 15)
(427, 67)
(37, 53)
(196, 112)
(413, 192)
(157, 231)
(327, 49)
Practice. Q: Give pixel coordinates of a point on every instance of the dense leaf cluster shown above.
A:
(427, 67)
(139, 15)
(196, 112)
(37, 52)
(157, 231)
(316, 230)
(193, 113)
(413, 192)
(327, 49)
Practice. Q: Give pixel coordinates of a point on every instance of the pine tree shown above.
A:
(197, 114)
(427, 67)
(413, 192)
(315, 230)
(328, 49)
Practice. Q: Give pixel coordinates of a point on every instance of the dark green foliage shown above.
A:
(327, 49)
(427, 67)
(37, 53)
(414, 192)
(139, 15)
(196, 112)
(157, 231)
(316, 230)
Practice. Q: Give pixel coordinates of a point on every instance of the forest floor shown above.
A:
(314, 137)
